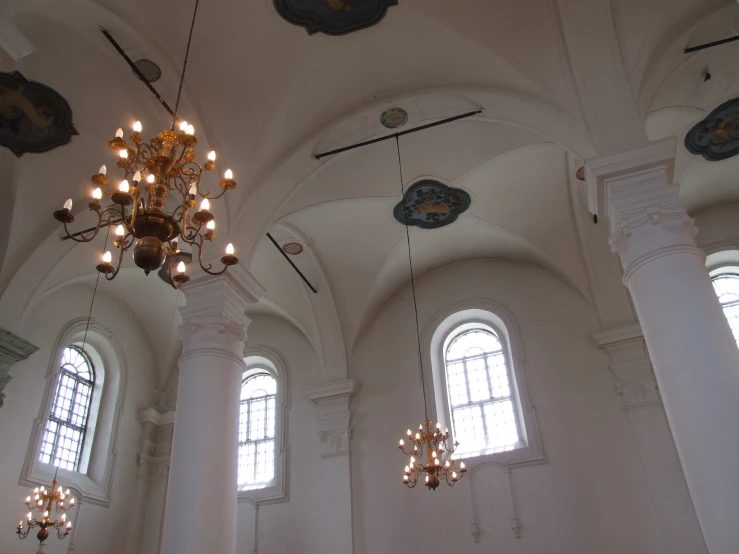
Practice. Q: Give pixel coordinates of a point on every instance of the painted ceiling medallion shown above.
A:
(430, 204)
(293, 248)
(717, 136)
(333, 17)
(394, 118)
(33, 117)
(149, 69)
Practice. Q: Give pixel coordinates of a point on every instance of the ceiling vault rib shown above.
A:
(305, 279)
(400, 134)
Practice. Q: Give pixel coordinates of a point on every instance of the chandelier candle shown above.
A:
(153, 171)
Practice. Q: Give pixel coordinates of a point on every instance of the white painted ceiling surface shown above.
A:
(558, 82)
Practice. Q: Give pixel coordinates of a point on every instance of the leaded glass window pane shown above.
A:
(65, 428)
(479, 386)
(727, 289)
(257, 431)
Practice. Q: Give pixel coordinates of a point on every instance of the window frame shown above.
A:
(452, 336)
(447, 324)
(94, 478)
(246, 376)
(79, 458)
(262, 359)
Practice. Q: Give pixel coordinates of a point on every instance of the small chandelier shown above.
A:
(427, 443)
(154, 171)
(45, 502)
(432, 445)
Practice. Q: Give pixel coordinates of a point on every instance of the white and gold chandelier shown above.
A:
(152, 170)
(429, 448)
(46, 501)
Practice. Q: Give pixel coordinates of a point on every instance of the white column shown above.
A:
(694, 356)
(200, 514)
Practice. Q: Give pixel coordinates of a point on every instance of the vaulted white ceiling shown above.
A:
(558, 81)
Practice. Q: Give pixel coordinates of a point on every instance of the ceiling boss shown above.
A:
(153, 170)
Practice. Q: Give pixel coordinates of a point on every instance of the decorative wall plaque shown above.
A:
(33, 117)
(717, 136)
(430, 204)
(333, 17)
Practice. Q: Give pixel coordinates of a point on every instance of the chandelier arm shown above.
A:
(181, 187)
(123, 248)
(210, 266)
(207, 195)
(80, 236)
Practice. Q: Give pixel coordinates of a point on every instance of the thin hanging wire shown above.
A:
(184, 65)
(413, 284)
(94, 293)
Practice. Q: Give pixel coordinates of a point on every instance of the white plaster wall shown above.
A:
(302, 524)
(590, 497)
(99, 527)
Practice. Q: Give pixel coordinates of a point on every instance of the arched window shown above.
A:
(257, 430)
(479, 387)
(67, 423)
(727, 289)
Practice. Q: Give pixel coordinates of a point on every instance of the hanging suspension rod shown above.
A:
(711, 44)
(396, 135)
(303, 277)
(137, 71)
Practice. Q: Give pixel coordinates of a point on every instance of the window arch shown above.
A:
(67, 423)
(479, 388)
(95, 465)
(257, 422)
(727, 289)
(475, 359)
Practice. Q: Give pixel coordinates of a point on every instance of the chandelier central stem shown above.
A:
(413, 284)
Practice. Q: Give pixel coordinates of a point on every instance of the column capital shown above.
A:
(221, 297)
(630, 363)
(333, 400)
(635, 189)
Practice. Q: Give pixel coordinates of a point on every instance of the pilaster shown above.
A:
(333, 401)
(155, 445)
(13, 349)
(665, 481)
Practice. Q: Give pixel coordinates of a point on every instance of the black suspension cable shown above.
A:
(184, 65)
(94, 292)
(413, 284)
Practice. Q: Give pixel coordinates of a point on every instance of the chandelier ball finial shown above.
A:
(149, 254)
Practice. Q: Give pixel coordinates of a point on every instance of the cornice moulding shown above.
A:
(333, 390)
(619, 334)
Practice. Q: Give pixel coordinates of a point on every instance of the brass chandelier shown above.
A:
(152, 170)
(46, 502)
(155, 171)
(428, 447)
